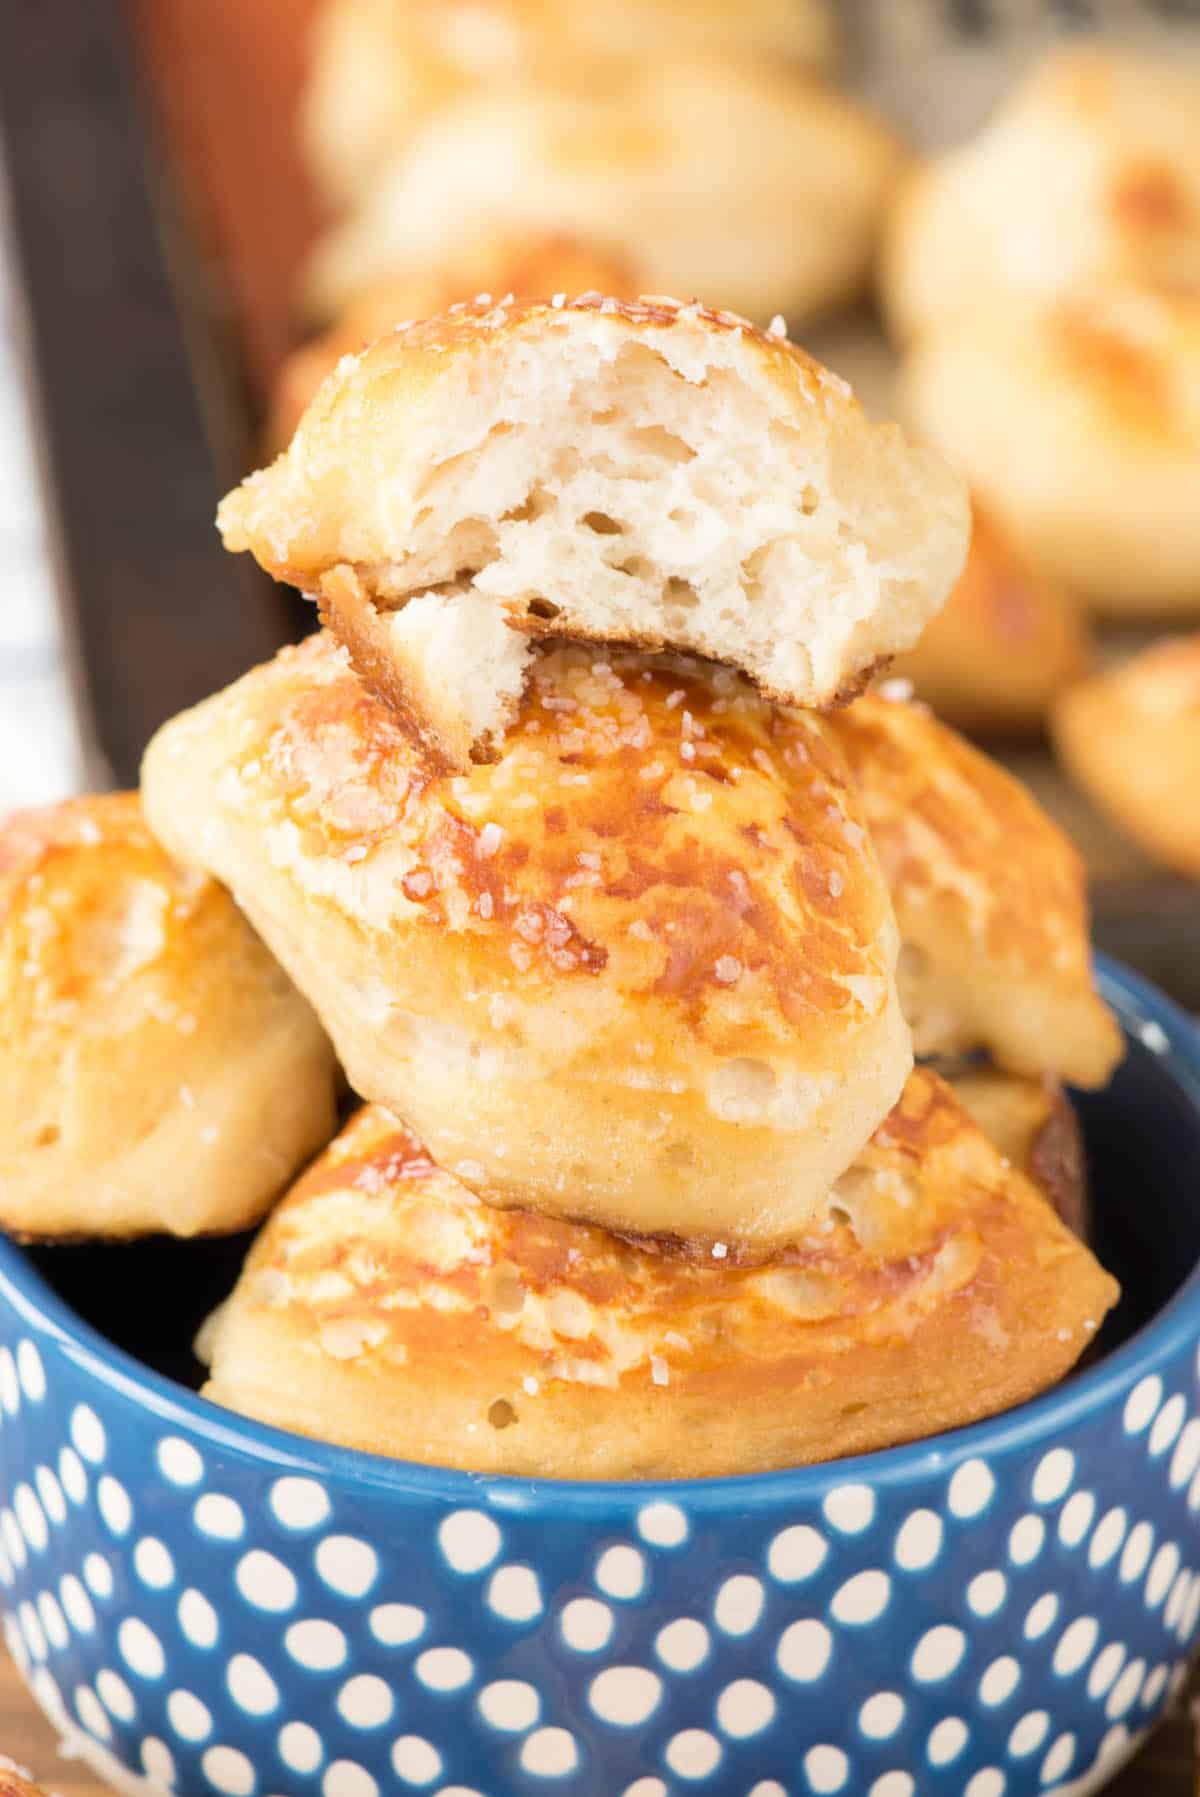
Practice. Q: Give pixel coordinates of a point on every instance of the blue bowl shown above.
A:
(208, 1606)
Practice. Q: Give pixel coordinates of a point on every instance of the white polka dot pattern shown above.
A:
(273, 1608)
(469, 1540)
(625, 1695)
(683, 1645)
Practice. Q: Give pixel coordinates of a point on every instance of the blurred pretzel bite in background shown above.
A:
(648, 473)
(1078, 419)
(1032, 1122)
(158, 1071)
(743, 179)
(1088, 174)
(522, 268)
(638, 970)
(384, 1307)
(989, 896)
(380, 66)
(1004, 645)
(1131, 737)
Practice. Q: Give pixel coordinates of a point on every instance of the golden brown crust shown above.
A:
(658, 910)
(1003, 646)
(1034, 1125)
(385, 1308)
(348, 614)
(524, 268)
(1131, 737)
(16, 1783)
(989, 894)
(144, 1029)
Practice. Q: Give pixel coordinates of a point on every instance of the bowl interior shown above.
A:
(1142, 1136)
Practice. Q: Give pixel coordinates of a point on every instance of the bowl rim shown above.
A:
(1146, 1015)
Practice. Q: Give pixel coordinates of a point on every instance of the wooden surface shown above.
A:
(1166, 1766)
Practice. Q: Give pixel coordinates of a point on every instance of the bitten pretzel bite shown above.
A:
(1033, 1124)
(1131, 737)
(1089, 173)
(638, 971)
(1005, 643)
(746, 181)
(989, 895)
(380, 66)
(158, 1071)
(527, 269)
(644, 473)
(1079, 421)
(385, 1308)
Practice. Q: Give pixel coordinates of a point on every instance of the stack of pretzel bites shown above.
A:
(623, 914)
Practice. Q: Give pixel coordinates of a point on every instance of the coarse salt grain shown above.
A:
(660, 1372)
(836, 884)
(559, 301)
(688, 751)
(490, 838)
(719, 1250)
(486, 906)
(777, 326)
(728, 969)
(530, 1384)
(897, 692)
(675, 698)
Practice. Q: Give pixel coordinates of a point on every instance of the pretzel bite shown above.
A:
(745, 181)
(1088, 174)
(1078, 420)
(1033, 1124)
(989, 895)
(1005, 643)
(381, 66)
(638, 971)
(158, 1071)
(16, 1782)
(1131, 737)
(527, 269)
(383, 1307)
(649, 473)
